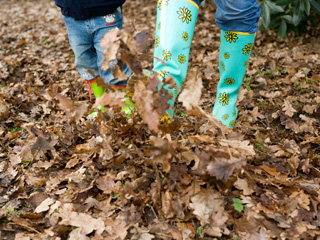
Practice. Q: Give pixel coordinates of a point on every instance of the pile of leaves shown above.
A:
(62, 177)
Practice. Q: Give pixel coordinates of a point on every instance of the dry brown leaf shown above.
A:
(144, 104)
(113, 99)
(111, 43)
(271, 171)
(191, 93)
(202, 138)
(141, 234)
(44, 205)
(244, 147)
(255, 113)
(270, 95)
(77, 234)
(143, 41)
(243, 185)
(208, 207)
(300, 198)
(108, 184)
(186, 230)
(223, 169)
(46, 164)
(310, 108)
(37, 198)
(166, 201)
(44, 144)
(84, 221)
(118, 73)
(162, 152)
(288, 109)
(4, 110)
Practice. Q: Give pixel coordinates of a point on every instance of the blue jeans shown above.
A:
(237, 15)
(85, 37)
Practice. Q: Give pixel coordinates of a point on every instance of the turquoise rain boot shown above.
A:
(174, 30)
(235, 49)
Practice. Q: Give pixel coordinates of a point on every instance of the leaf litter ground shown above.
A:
(62, 177)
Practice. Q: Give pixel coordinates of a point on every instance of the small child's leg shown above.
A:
(174, 31)
(239, 21)
(81, 40)
(81, 43)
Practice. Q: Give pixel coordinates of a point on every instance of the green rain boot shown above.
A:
(97, 92)
(174, 30)
(235, 49)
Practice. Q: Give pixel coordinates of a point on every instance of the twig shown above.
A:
(148, 205)
(25, 226)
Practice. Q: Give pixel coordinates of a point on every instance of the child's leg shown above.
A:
(174, 30)
(239, 21)
(101, 26)
(80, 39)
(81, 42)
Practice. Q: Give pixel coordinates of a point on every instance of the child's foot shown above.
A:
(92, 116)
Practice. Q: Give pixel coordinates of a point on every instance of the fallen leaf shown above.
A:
(255, 113)
(271, 171)
(77, 234)
(44, 205)
(144, 104)
(113, 99)
(143, 41)
(208, 207)
(4, 110)
(111, 42)
(162, 152)
(141, 234)
(44, 144)
(223, 169)
(288, 109)
(85, 222)
(243, 185)
(191, 93)
(108, 184)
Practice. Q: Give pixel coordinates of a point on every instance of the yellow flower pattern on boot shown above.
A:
(223, 66)
(163, 73)
(234, 113)
(166, 55)
(159, 25)
(229, 81)
(165, 2)
(245, 64)
(184, 14)
(224, 98)
(171, 95)
(225, 116)
(182, 58)
(247, 48)
(185, 36)
(157, 41)
(231, 124)
(226, 55)
(231, 37)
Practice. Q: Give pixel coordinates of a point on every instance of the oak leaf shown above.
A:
(208, 207)
(288, 109)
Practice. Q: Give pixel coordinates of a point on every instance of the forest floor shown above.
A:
(62, 177)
